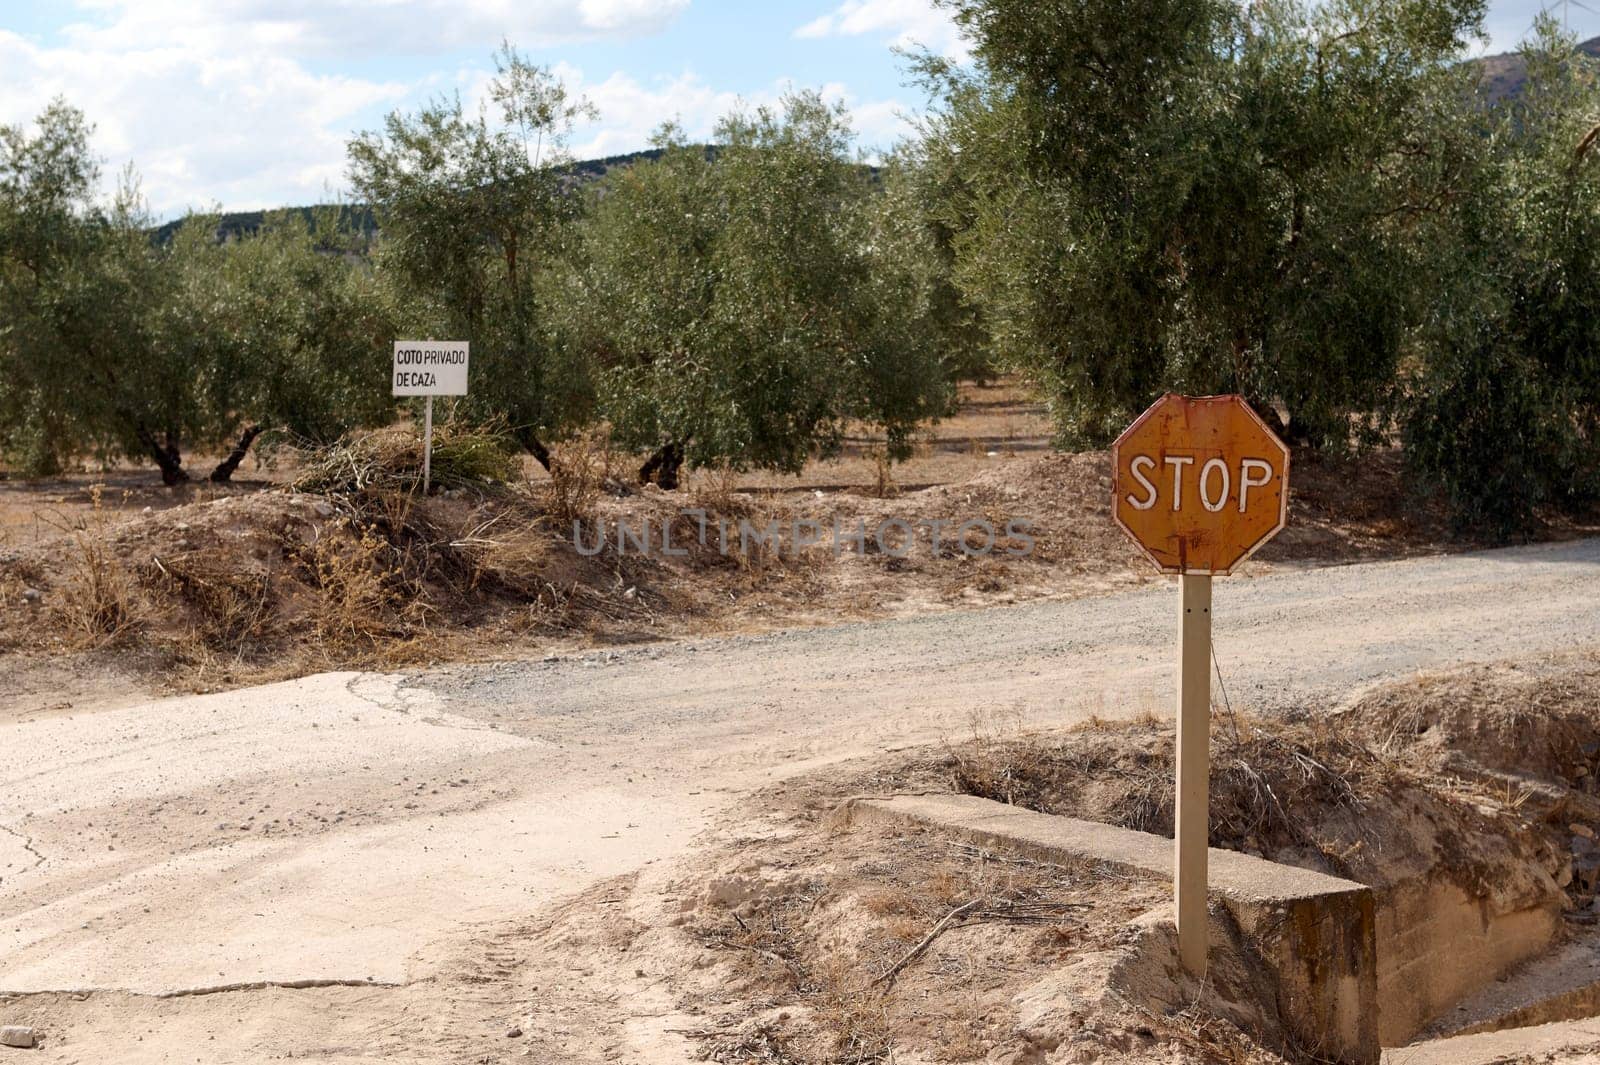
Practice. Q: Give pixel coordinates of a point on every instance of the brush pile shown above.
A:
(390, 460)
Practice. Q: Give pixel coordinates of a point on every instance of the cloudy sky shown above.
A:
(248, 103)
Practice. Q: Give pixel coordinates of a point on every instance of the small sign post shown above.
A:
(429, 368)
(1199, 483)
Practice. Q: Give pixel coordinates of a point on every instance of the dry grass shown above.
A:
(259, 586)
(716, 490)
(465, 456)
(98, 602)
(362, 587)
(488, 566)
(860, 1024)
(996, 762)
(1270, 780)
(878, 945)
(798, 937)
(1321, 792)
(233, 610)
(1528, 717)
(580, 470)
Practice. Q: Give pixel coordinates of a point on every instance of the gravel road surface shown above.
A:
(356, 828)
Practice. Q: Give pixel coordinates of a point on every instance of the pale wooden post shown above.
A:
(427, 444)
(1190, 828)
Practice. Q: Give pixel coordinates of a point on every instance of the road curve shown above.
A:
(351, 827)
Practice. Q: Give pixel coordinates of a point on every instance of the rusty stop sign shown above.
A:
(1199, 483)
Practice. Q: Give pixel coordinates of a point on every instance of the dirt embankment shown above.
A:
(270, 584)
(786, 938)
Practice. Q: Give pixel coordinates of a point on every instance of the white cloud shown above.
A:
(343, 27)
(226, 102)
(880, 123)
(903, 23)
(243, 130)
(632, 16)
(238, 102)
(630, 111)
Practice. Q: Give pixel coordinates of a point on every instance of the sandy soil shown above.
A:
(401, 836)
(109, 582)
(994, 423)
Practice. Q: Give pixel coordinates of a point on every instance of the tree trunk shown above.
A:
(1269, 414)
(224, 471)
(670, 467)
(534, 446)
(166, 456)
(1291, 432)
(663, 467)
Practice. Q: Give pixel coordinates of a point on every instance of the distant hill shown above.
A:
(231, 224)
(1505, 74)
(359, 218)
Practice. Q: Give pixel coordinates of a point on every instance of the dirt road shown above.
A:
(373, 832)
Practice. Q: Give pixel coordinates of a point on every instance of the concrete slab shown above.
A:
(1562, 985)
(1316, 933)
(1559, 1043)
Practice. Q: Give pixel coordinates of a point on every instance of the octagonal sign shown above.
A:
(1199, 483)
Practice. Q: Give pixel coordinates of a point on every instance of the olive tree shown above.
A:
(286, 329)
(732, 302)
(84, 366)
(917, 336)
(1200, 195)
(47, 180)
(472, 208)
(1503, 413)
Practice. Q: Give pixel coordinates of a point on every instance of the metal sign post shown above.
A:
(1198, 484)
(427, 444)
(1190, 829)
(430, 368)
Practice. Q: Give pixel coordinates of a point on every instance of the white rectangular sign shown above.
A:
(430, 367)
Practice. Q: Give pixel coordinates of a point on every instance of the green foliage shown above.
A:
(1310, 203)
(118, 345)
(739, 308)
(282, 330)
(1196, 195)
(918, 335)
(472, 211)
(1504, 413)
(46, 182)
(925, 188)
(81, 359)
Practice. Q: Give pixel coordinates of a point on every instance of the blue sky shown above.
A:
(248, 103)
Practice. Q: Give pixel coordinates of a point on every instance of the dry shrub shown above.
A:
(749, 543)
(97, 602)
(995, 763)
(1211, 1038)
(737, 527)
(947, 889)
(390, 460)
(233, 610)
(1274, 785)
(892, 901)
(363, 593)
(511, 552)
(579, 471)
(884, 485)
(859, 1022)
(759, 1042)
(1272, 781)
(1538, 718)
(717, 491)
